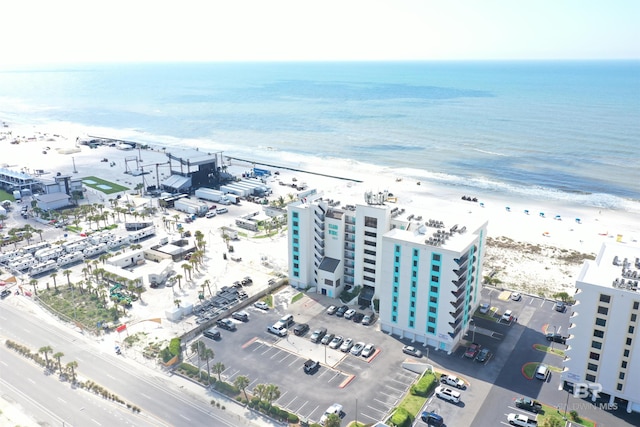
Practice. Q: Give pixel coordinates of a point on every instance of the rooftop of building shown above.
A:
(616, 266)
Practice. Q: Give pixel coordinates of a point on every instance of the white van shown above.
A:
(222, 211)
(542, 373)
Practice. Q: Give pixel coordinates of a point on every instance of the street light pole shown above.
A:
(566, 406)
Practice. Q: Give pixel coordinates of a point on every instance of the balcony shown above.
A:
(349, 255)
(460, 261)
(460, 282)
(319, 223)
(461, 271)
(456, 313)
(455, 332)
(458, 302)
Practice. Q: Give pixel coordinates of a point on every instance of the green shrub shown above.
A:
(226, 388)
(425, 385)
(401, 418)
(174, 346)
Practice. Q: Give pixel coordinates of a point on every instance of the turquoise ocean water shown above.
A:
(556, 130)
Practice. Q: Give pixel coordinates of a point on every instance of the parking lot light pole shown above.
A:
(473, 331)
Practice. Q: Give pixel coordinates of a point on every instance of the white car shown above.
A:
(452, 380)
(278, 329)
(349, 313)
(506, 316)
(448, 394)
(356, 350)
(484, 308)
(346, 345)
(515, 296)
(261, 305)
(336, 408)
(368, 350)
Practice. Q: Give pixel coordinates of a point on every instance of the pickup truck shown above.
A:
(452, 381)
(521, 420)
(528, 404)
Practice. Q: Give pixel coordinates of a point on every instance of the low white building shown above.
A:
(52, 201)
(604, 343)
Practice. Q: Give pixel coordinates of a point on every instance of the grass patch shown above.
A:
(115, 188)
(6, 196)
(268, 299)
(548, 349)
(297, 297)
(549, 413)
(413, 404)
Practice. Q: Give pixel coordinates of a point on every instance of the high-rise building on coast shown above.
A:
(604, 345)
(423, 266)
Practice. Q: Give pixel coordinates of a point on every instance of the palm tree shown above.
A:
(207, 283)
(53, 276)
(260, 391)
(272, 393)
(34, 283)
(186, 267)
(242, 382)
(177, 302)
(198, 347)
(333, 420)
(71, 366)
(46, 350)
(67, 273)
(219, 368)
(58, 356)
(178, 278)
(208, 355)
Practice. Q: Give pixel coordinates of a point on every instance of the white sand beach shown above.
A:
(530, 242)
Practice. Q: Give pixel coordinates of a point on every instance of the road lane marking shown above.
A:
(95, 422)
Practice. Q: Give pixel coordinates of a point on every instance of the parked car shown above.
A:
(336, 409)
(556, 338)
(226, 324)
(528, 404)
(484, 308)
(210, 214)
(343, 309)
(346, 345)
(506, 316)
(411, 351)
(357, 348)
(431, 418)
(368, 350)
(332, 309)
(300, 329)
(327, 339)
(515, 296)
(369, 319)
(336, 341)
(242, 316)
(560, 306)
(357, 318)
(278, 329)
(261, 305)
(542, 373)
(472, 350)
(287, 320)
(349, 314)
(453, 381)
(317, 335)
(521, 420)
(483, 355)
(448, 394)
(5, 293)
(311, 366)
(212, 333)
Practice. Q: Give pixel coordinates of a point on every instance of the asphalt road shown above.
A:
(162, 400)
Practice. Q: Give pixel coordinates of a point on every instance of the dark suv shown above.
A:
(212, 333)
(431, 418)
(556, 338)
(311, 366)
(300, 329)
(342, 310)
(226, 324)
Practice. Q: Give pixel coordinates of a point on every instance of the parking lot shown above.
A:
(371, 386)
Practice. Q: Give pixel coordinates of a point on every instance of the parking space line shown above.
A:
(399, 390)
(281, 396)
(314, 410)
(286, 357)
(332, 378)
(266, 351)
(248, 343)
(276, 354)
(297, 411)
(369, 416)
(288, 405)
(295, 360)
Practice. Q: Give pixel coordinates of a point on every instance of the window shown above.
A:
(295, 214)
(413, 294)
(623, 365)
(295, 223)
(436, 257)
(432, 319)
(594, 356)
(601, 322)
(394, 318)
(414, 274)
(431, 330)
(432, 309)
(625, 353)
(396, 269)
(434, 289)
(395, 299)
(296, 274)
(370, 261)
(435, 268)
(370, 221)
(412, 313)
(592, 367)
(296, 241)
(596, 344)
(370, 243)
(628, 341)
(590, 378)
(370, 234)
(633, 317)
(433, 300)
(597, 333)
(413, 304)
(369, 270)
(631, 329)
(435, 279)
(395, 289)
(368, 252)
(621, 375)
(415, 252)
(296, 257)
(296, 265)
(411, 323)
(619, 387)
(605, 298)
(603, 310)
(295, 232)
(372, 253)
(636, 304)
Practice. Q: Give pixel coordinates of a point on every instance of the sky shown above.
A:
(64, 31)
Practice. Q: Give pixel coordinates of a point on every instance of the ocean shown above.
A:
(557, 130)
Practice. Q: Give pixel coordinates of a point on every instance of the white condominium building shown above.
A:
(604, 344)
(426, 273)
